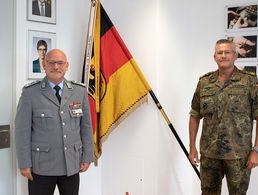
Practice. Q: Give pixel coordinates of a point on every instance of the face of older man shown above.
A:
(225, 55)
(56, 65)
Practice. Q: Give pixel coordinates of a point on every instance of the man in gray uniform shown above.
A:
(54, 138)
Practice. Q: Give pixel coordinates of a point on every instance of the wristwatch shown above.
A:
(255, 148)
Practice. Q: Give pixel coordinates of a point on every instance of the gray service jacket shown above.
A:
(53, 138)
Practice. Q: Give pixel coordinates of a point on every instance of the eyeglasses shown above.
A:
(60, 63)
(227, 52)
(42, 49)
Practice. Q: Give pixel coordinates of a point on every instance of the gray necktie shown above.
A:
(42, 13)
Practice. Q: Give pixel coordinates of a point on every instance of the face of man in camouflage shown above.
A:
(225, 55)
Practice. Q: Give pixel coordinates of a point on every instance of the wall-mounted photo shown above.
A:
(42, 11)
(246, 46)
(39, 43)
(241, 17)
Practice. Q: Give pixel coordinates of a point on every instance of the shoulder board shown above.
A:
(207, 74)
(31, 84)
(80, 84)
(248, 72)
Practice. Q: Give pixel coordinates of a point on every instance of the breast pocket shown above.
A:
(42, 119)
(75, 119)
(207, 102)
(238, 100)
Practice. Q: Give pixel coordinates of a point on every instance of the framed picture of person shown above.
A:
(39, 43)
(241, 17)
(42, 11)
(246, 45)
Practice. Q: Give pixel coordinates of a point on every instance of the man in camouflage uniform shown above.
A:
(227, 101)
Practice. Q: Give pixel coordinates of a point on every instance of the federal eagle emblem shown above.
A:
(92, 84)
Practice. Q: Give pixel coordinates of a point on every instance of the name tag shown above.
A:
(75, 109)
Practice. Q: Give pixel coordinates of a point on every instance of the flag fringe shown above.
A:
(103, 138)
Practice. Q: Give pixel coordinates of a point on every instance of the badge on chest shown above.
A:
(75, 109)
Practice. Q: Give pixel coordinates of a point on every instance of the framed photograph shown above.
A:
(246, 45)
(42, 11)
(39, 43)
(240, 17)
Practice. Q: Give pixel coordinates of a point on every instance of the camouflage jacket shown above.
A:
(228, 109)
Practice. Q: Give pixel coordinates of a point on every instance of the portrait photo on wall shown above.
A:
(39, 43)
(241, 17)
(246, 46)
(42, 11)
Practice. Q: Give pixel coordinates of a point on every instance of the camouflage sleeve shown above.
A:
(254, 92)
(195, 105)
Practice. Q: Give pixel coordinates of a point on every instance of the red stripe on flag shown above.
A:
(114, 53)
(93, 112)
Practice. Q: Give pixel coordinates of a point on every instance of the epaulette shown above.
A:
(31, 84)
(80, 84)
(207, 74)
(248, 72)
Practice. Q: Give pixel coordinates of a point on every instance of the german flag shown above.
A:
(116, 85)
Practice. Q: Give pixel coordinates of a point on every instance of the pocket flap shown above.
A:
(207, 93)
(237, 92)
(40, 147)
(43, 113)
(77, 146)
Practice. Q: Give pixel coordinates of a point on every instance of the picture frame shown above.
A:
(39, 43)
(241, 17)
(45, 12)
(246, 45)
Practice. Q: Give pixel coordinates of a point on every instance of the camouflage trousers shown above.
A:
(212, 172)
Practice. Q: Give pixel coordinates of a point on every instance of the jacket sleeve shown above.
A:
(23, 121)
(195, 105)
(87, 132)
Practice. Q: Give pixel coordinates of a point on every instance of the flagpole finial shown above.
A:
(94, 2)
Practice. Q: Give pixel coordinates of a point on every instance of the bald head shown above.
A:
(55, 65)
(54, 52)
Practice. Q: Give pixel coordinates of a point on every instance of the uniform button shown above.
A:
(63, 124)
(62, 112)
(42, 115)
(65, 148)
(37, 149)
(64, 136)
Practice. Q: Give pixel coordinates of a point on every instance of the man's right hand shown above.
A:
(26, 172)
(193, 156)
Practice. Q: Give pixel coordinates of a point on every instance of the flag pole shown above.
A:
(173, 130)
(88, 50)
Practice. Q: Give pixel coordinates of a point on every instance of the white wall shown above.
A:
(130, 155)
(172, 41)
(6, 66)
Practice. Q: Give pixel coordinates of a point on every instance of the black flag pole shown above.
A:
(172, 129)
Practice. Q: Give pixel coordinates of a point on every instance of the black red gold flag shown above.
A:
(116, 84)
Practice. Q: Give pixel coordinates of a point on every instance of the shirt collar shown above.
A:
(234, 77)
(52, 85)
(39, 2)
